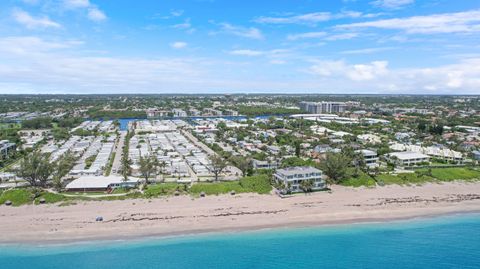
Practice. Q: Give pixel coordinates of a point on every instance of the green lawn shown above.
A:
(51, 198)
(163, 189)
(362, 180)
(404, 179)
(450, 174)
(256, 184)
(216, 188)
(421, 176)
(18, 197)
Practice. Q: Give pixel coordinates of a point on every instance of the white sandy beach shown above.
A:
(186, 215)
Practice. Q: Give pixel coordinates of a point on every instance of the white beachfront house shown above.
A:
(370, 157)
(100, 183)
(432, 151)
(293, 177)
(408, 158)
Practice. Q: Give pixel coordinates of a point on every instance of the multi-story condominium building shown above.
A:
(153, 112)
(212, 112)
(370, 157)
(408, 158)
(179, 112)
(194, 112)
(432, 151)
(293, 177)
(323, 107)
(5, 148)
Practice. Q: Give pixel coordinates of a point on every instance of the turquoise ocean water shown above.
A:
(445, 242)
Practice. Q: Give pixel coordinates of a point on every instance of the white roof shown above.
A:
(97, 182)
(408, 155)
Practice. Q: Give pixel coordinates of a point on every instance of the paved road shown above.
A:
(195, 141)
(117, 162)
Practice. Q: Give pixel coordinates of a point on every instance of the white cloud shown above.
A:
(278, 62)
(356, 72)
(370, 71)
(313, 18)
(93, 12)
(178, 45)
(328, 68)
(96, 14)
(275, 53)
(45, 66)
(24, 45)
(176, 13)
(298, 19)
(186, 25)
(323, 35)
(247, 32)
(76, 3)
(367, 50)
(306, 35)
(461, 77)
(460, 22)
(247, 52)
(31, 22)
(392, 4)
(343, 36)
(30, 64)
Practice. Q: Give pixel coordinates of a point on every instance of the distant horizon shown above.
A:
(239, 94)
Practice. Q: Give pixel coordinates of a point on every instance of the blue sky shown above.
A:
(220, 46)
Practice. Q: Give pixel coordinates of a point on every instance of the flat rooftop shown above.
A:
(290, 171)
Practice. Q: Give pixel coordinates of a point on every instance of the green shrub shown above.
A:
(258, 183)
(18, 197)
(163, 189)
(50, 198)
(361, 181)
(216, 188)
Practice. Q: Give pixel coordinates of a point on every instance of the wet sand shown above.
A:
(186, 215)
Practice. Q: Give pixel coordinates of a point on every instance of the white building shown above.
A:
(6, 147)
(408, 158)
(293, 177)
(370, 157)
(100, 183)
(434, 152)
(369, 138)
(154, 112)
(323, 107)
(258, 164)
(179, 112)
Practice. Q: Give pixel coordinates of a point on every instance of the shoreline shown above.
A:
(220, 232)
(176, 217)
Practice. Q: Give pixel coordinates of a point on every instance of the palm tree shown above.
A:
(307, 185)
(147, 167)
(161, 167)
